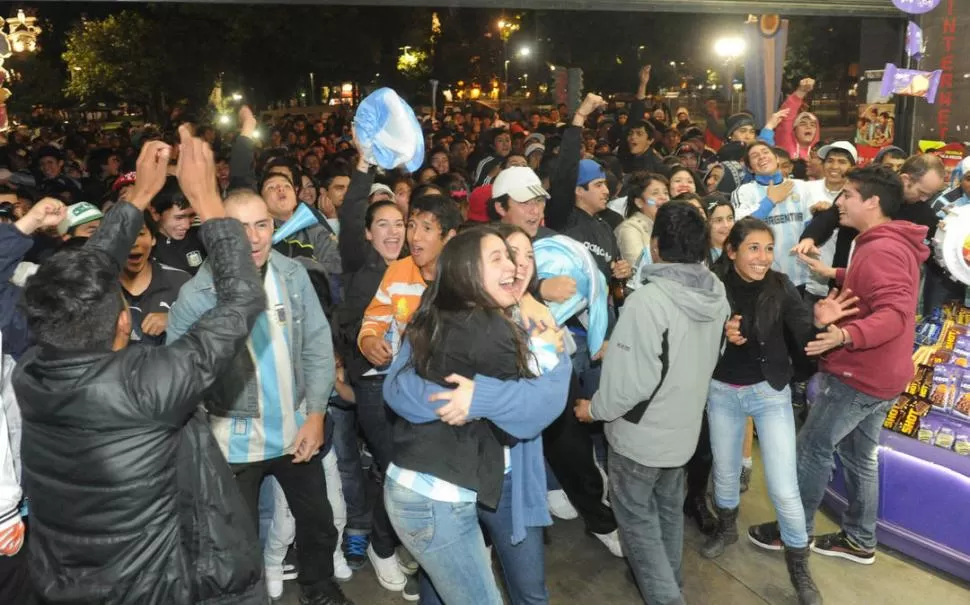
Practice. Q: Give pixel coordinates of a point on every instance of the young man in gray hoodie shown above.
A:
(652, 394)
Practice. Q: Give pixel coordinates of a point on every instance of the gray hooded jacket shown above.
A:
(659, 363)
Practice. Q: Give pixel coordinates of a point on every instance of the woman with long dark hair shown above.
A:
(482, 449)
(751, 379)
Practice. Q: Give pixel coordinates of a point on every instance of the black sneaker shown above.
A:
(328, 595)
(412, 590)
(768, 536)
(839, 545)
(355, 550)
(291, 570)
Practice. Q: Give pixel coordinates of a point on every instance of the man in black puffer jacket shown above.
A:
(131, 500)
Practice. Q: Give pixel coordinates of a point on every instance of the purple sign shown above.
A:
(914, 41)
(916, 7)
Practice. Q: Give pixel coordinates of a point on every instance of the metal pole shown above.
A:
(505, 52)
(313, 93)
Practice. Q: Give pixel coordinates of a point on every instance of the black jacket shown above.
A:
(363, 270)
(131, 500)
(470, 455)
(563, 216)
(769, 327)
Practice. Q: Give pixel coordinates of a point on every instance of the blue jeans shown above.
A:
(446, 540)
(727, 411)
(523, 564)
(845, 420)
(343, 416)
(648, 503)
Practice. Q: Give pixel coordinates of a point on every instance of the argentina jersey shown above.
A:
(271, 434)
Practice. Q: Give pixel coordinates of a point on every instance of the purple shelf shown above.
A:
(923, 496)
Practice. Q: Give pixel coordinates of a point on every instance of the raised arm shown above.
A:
(351, 214)
(563, 181)
(172, 378)
(241, 173)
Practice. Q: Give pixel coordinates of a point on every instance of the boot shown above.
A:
(725, 534)
(797, 561)
(695, 507)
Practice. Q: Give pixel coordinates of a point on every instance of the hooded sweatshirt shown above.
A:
(785, 133)
(655, 377)
(884, 272)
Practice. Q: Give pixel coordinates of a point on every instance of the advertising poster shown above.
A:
(875, 129)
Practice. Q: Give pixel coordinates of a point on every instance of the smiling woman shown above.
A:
(448, 459)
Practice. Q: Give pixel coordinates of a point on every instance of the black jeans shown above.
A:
(700, 464)
(569, 452)
(376, 421)
(305, 488)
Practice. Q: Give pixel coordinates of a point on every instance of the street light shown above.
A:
(730, 48)
(525, 51)
(505, 30)
(21, 36)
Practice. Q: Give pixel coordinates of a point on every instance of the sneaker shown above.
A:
(341, 571)
(388, 571)
(330, 595)
(412, 589)
(355, 550)
(611, 541)
(768, 536)
(291, 570)
(560, 506)
(275, 589)
(839, 545)
(408, 565)
(745, 478)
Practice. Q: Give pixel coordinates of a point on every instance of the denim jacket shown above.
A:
(311, 350)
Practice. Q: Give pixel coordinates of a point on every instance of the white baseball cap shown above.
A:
(381, 188)
(844, 146)
(79, 214)
(519, 183)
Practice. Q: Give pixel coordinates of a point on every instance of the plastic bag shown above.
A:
(388, 132)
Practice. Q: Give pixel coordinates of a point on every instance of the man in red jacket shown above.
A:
(867, 362)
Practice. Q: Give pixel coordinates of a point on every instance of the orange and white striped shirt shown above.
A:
(396, 300)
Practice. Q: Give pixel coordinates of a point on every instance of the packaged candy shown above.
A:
(929, 330)
(962, 444)
(962, 403)
(910, 82)
(961, 349)
(946, 383)
(923, 374)
(950, 334)
(926, 432)
(945, 438)
(893, 415)
(941, 356)
(963, 316)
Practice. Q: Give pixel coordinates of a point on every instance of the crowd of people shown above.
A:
(233, 360)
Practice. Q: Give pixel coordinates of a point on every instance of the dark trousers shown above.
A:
(569, 452)
(376, 420)
(15, 585)
(305, 488)
(700, 464)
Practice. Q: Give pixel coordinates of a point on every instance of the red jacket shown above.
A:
(884, 273)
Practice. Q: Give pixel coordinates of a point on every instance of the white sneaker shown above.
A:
(341, 571)
(560, 506)
(388, 571)
(274, 588)
(612, 542)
